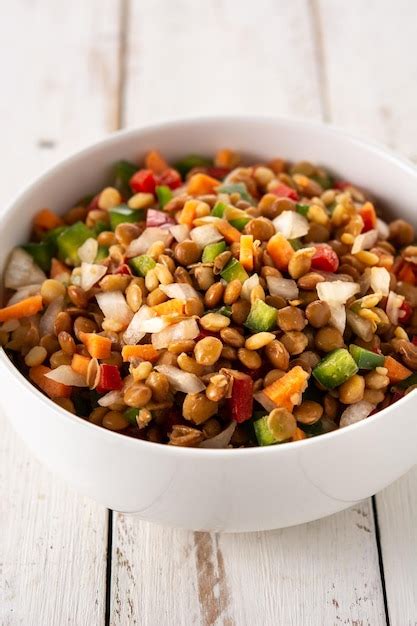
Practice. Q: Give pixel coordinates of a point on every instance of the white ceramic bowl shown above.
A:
(226, 490)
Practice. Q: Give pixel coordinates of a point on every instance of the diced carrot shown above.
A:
(80, 363)
(406, 274)
(246, 252)
(200, 184)
(47, 219)
(368, 214)
(155, 161)
(99, 347)
(52, 389)
(58, 268)
(24, 308)
(226, 158)
(174, 306)
(286, 391)
(144, 351)
(229, 232)
(187, 214)
(280, 251)
(396, 371)
(298, 435)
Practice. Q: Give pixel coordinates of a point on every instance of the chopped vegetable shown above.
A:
(110, 378)
(143, 181)
(155, 161)
(123, 172)
(200, 184)
(41, 254)
(280, 251)
(80, 364)
(180, 380)
(171, 307)
(229, 232)
(291, 224)
(98, 347)
(240, 403)
(52, 388)
(284, 191)
(336, 367)
(286, 392)
(47, 220)
(234, 271)
(246, 252)
(21, 270)
(123, 214)
(65, 375)
(190, 162)
(365, 359)
(212, 250)
(368, 214)
(263, 433)
(396, 371)
(70, 240)
(146, 352)
(164, 195)
(325, 258)
(205, 235)
(261, 317)
(142, 264)
(24, 308)
(239, 188)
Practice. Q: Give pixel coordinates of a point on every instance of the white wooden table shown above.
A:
(72, 72)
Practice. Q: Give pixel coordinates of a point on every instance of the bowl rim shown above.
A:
(326, 129)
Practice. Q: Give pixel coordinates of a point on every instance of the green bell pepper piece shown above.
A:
(236, 217)
(223, 310)
(365, 359)
(51, 237)
(234, 271)
(187, 163)
(236, 188)
(98, 228)
(262, 317)
(219, 209)
(164, 195)
(335, 369)
(325, 181)
(212, 250)
(70, 240)
(302, 209)
(263, 434)
(102, 253)
(123, 172)
(131, 415)
(122, 214)
(296, 244)
(142, 264)
(41, 253)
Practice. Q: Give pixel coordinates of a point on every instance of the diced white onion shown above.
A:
(365, 241)
(360, 326)
(291, 224)
(21, 270)
(149, 236)
(356, 413)
(221, 440)
(338, 291)
(180, 232)
(88, 251)
(180, 380)
(186, 329)
(91, 274)
(112, 397)
(114, 306)
(134, 333)
(249, 284)
(46, 325)
(394, 304)
(24, 292)
(383, 229)
(380, 280)
(181, 291)
(336, 294)
(65, 374)
(204, 235)
(284, 287)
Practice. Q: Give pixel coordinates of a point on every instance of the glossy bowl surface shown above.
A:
(226, 490)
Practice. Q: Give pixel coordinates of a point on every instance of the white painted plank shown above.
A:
(373, 93)
(59, 68)
(235, 58)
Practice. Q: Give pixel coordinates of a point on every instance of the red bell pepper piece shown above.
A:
(406, 273)
(110, 378)
(406, 311)
(325, 259)
(342, 185)
(143, 180)
(240, 404)
(217, 172)
(368, 215)
(171, 178)
(283, 191)
(159, 219)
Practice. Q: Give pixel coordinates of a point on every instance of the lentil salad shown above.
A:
(213, 304)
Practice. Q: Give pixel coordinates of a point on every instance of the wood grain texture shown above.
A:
(373, 93)
(265, 60)
(60, 63)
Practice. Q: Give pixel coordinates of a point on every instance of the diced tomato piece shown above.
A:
(325, 259)
(240, 403)
(405, 313)
(143, 180)
(171, 178)
(284, 191)
(406, 273)
(217, 172)
(110, 378)
(368, 215)
(342, 185)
